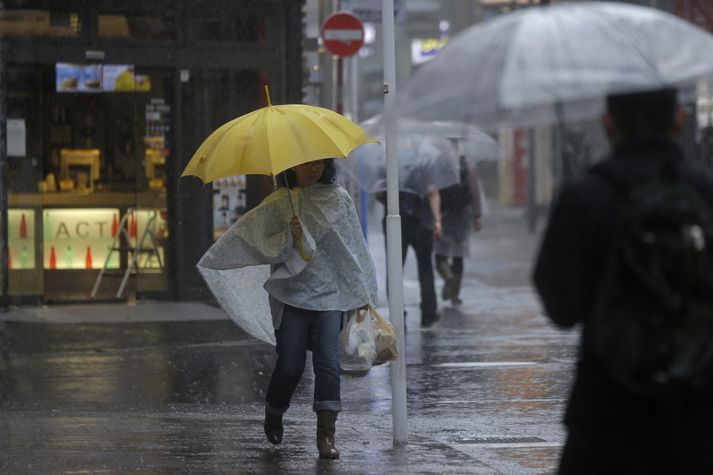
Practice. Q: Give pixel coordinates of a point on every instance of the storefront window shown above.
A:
(138, 27)
(39, 23)
(242, 29)
(88, 146)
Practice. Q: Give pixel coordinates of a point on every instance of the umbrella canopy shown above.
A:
(475, 143)
(270, 140)
(423, 161)
(513, 69)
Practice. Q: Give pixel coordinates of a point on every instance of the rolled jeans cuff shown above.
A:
(335, 406)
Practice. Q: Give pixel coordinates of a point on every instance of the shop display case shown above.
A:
(58, 242)
(21, 239)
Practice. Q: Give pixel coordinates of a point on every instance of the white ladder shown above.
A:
(153, 250)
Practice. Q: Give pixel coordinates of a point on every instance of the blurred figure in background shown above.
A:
(425, 167)
(420, 227)
(460, 212)
(627, 253)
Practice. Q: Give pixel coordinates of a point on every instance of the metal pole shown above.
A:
(363, 203)
(4, 298)
(353, 88)
(340, 86)
(394, 267)
(354, 108)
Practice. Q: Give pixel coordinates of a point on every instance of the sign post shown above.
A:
(342, 35)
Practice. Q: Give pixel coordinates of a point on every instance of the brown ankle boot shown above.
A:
(326, 421)
(273, 427)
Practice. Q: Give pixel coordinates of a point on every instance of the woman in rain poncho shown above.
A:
(320, 267)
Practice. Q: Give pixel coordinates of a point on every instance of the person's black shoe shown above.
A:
(429, 321)
(273, 427)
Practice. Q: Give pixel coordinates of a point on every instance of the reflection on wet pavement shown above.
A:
(486, 389)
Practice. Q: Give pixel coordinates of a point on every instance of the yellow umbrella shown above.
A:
(272, 139)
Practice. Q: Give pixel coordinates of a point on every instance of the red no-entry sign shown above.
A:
(342, 34)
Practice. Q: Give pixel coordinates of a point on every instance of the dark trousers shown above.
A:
(420, 238)
(456, 263)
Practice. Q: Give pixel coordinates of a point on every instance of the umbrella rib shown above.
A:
(321, 130)
(328, 134)
(296, 133)
(243, 156)
(508, 53)
(638, 46)
(234, 123)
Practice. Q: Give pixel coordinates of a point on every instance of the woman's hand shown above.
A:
(437, 230)
(295, 228)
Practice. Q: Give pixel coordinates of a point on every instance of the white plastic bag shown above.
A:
(357, 342)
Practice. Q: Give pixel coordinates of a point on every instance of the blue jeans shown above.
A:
(300, 328)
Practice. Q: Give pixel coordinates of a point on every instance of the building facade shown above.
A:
(102, 104)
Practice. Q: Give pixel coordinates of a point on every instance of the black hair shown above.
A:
(329, 175)
(643, 114)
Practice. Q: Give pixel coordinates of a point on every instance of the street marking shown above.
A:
(499, 401)
(510, 446)
(484, 364)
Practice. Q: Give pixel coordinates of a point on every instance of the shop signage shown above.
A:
(342, 34)
(370, 10)
(16, 137)
(99, 78)
(84, 238)
(118, 77)
(79, 238)
(423, 50)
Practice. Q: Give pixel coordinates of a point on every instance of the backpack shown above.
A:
(652, 321)
(457, 197)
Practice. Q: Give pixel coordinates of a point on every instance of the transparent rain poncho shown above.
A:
(257, 258)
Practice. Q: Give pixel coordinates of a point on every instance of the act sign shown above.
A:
(342, 34)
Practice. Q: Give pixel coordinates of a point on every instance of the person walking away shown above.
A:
(420, 227)
(320, 269)
(627, 253)
(460, 211)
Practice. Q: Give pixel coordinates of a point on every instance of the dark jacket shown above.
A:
(612, 430)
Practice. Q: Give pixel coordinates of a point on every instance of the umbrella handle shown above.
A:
(301, 249)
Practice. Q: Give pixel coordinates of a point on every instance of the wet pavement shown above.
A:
(175, 388)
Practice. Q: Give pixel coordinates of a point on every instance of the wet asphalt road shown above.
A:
(486, 389)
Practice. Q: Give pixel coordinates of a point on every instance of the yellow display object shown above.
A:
(155, 162)
(125, 81)
(79, 169)
(274, 138)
